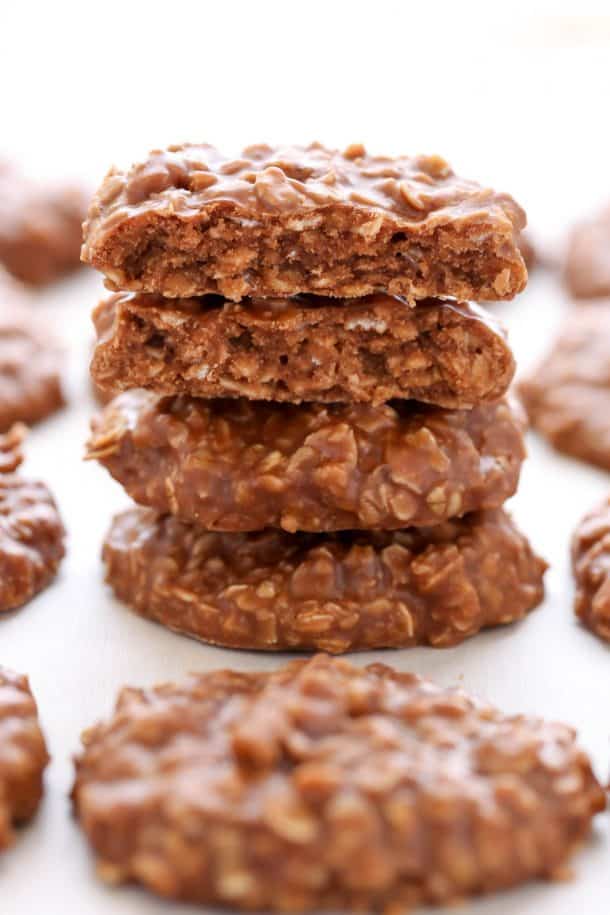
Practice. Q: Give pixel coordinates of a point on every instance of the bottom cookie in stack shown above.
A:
(332, 592)
(317, 527)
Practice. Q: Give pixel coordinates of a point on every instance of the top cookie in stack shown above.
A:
(361, 507)
(189, 221)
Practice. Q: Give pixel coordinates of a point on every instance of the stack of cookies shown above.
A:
(313, 414)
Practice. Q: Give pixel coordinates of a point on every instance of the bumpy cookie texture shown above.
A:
(190, 221)
(23, 754)
(303, 348)
(587, 262)
(31, 531)
(325, 786)
(567, 397)
(40, 227)
(591, 567)
(30, 363)
(273, 590)
(246, 465)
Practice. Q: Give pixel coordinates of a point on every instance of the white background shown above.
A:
(518, 101)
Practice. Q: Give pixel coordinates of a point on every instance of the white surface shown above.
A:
(522, 104)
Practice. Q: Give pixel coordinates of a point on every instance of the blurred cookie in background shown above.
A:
(31, 531)
(40, 226)
(567, 396)
(586, 271)
(591, 568)
(30, 360)
(528, 250)
(23, 755)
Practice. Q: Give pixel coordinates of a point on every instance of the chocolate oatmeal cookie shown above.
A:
(242, 465)
(189, 221)
(587, 263)
(31, 531)
(272, 590)
(30, 362)
(567, 397)
(591, 567)
(23, 754)
(325, 786)
(305, 348)
(40, 227)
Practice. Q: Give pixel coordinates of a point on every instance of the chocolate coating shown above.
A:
(587, 263)
(23, 754)
(189, 221)
(30, 361)
(591, 567)
(40, 227)
(31, 531)
(567, 397)
(326, 786)
(272, 590)
(246, 465)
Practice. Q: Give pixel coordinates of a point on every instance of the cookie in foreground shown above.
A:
(31, 531)
(567, 396)
(23, 754)
(282, 221)
(323, 785)
(239, 465)
(591, 568)
(343, 592)
(304, 348)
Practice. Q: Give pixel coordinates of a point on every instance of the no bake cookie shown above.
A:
(304, 348)
(40, 227)
(245, 465)
(30, 363)
(587, 261)
(567, 397)
(272, 590)
(23, 754)
(189, 221)
(591, 567)
(31, 531)
(326, 786)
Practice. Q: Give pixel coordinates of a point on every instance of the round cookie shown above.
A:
(30, 362)
(325, 786)
(587, 263)
(272, 590)
(246, 465)
(591, 567)
(567, 397)
(23, 754)
(40, 227)
(31, 531)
